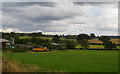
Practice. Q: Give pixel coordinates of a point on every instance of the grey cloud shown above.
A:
(24, 4)
(92, 3)
(45, 19)
(12, 6)
(28, 17)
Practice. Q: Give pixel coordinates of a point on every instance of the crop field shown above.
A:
(93, 46)
(70, 60)
(116, 41)
(24, 37)
(96, 47)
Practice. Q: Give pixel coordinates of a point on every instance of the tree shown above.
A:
(17, 36)
(92, 35)
(22, 41)
(14, 37)
(37, 40)
(56, 38)
(6, 37)
(110, 45)
(36, 34)
(83, 40)
(104, 39)
(12, 34)
(70, 44)
(84, 43)
(83, 36)
(48, 45)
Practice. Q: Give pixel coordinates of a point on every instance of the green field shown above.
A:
(71, 61)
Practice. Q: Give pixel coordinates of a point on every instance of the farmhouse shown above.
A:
(4, 43)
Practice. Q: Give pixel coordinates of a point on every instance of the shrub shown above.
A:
(17, 49)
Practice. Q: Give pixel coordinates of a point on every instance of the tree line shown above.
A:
(70, 43)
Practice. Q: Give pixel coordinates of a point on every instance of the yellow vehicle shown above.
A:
(42, 49)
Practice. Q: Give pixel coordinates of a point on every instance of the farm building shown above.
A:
(4, 43)
(56, 45)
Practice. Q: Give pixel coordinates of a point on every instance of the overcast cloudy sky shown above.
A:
(60, 17)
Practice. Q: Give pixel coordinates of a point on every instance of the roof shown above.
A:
(4, 40)
(55, 44)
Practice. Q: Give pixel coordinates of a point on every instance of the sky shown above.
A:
(68, 18)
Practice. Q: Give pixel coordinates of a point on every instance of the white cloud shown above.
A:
(10, 30)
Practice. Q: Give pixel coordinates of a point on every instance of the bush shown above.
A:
(17, 49)
(21, 50)
(110, 45)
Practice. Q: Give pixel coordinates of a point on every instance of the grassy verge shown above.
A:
(11, 65)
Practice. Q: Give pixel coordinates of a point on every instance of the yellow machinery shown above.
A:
(42, 49)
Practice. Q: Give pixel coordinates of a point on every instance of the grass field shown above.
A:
(71, 61)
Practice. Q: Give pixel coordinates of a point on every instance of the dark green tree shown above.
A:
(56, 38)
(83, 36)
(83, 40)
(6, 37)
(110, 45)
(84, 43)
(37, 40)
(92, 35)
(104, 39)
(12, 34)
(70, 44)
